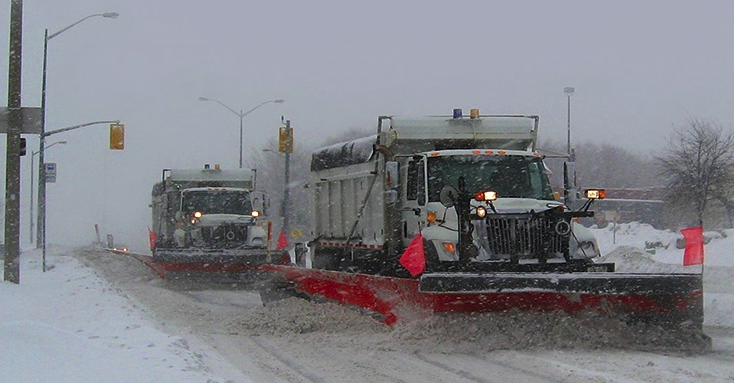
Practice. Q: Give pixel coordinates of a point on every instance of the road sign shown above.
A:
(50, 171)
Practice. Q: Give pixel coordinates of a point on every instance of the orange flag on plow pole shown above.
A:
(693, 254)
(152, 237)
(282, 241)
(414, 257)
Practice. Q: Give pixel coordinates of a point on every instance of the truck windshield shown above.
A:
(509, 176)
(217, 202)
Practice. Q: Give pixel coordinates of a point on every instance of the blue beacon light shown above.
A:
(457, 113)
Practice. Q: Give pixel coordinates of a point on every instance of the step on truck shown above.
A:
(457, 214)
(208, 220)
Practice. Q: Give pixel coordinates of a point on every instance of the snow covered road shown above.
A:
(298, 341)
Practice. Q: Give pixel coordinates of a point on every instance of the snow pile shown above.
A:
(299, 316)
(308, 322)
(628, 259)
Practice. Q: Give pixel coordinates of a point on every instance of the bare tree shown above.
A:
(696, 164)
(604, 165)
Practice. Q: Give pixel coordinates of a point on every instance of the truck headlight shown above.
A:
(488, 195)
(197, 214)
(481, 212)
(596, 193)
(255, 213)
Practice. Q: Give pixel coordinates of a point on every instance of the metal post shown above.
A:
(241, 116)
(41, 143)
(569, 91)
(568, 146)
(30, 236)
(286, 190)
(12, 164)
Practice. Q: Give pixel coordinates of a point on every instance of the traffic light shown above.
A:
(285, 139)
(22, 146)
(117, 136)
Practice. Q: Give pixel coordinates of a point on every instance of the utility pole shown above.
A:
(12, 164)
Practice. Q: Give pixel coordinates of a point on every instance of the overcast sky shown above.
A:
(639, 68)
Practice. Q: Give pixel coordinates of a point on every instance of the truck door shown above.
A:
(414, 207)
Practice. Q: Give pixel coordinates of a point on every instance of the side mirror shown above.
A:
(448, 195)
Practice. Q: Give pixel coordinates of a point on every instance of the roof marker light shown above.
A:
(457, 113)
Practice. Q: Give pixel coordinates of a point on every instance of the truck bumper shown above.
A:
(188, 255)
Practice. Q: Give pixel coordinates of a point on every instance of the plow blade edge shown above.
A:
(671, 300)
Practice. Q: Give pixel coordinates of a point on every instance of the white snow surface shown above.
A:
(69, 324)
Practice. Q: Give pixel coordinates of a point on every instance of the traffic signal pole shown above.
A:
(41, 219)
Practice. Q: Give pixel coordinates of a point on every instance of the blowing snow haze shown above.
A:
(638, 69)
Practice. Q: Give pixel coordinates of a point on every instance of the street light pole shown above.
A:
(241, 115)
(40, 230)
(31, 183)
(569, 91)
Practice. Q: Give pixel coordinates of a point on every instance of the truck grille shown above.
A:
(525, 237)
(225, 236)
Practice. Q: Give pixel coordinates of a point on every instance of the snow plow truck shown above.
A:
(208, 220)
(456, 214)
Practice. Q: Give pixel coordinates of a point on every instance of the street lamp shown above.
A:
(41, 230)
(32, 179)
(241, 115)
(569, 91)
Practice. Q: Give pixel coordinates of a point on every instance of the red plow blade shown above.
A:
(674, 300)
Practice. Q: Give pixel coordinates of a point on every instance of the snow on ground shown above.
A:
(70, 325)
(636, 247)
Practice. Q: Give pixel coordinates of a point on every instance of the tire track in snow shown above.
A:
(288, 362)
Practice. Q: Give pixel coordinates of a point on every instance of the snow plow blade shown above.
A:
(224, 268)
(671, 300)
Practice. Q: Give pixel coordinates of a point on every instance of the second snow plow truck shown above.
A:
(208, 220)
(456, 214)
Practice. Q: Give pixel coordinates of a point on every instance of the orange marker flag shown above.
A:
(414, 257)
(693, 254)
(282, 241)
(152, 237)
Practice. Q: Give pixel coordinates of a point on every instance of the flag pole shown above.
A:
(703, 247)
